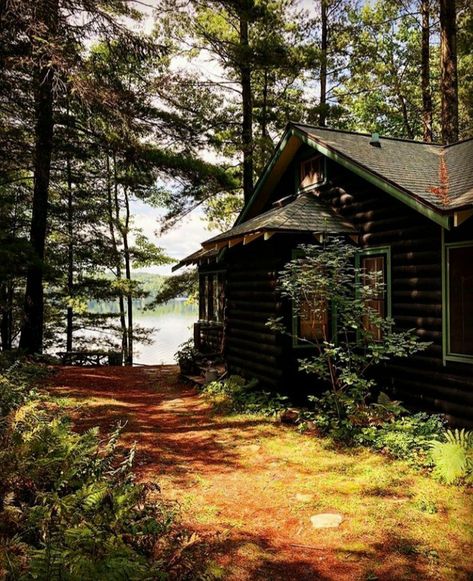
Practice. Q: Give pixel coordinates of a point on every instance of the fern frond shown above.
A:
(453, 458)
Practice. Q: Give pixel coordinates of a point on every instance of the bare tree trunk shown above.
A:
(31, 339)
(70, 256)
(6, 322)
(405, 117)
(121, 298)
(247, 106)
(112, 212)
(449, 77)
(129, 359)
(323, 63)
(425, 72)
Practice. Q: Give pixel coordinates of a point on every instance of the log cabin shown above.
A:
(409, 207)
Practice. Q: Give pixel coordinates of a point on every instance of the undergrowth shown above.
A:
(236, 395)
(70, 508)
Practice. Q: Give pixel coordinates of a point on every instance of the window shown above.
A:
(459, 301)
(312, 172)
(312, 325)
(371, 261)
(211, 297)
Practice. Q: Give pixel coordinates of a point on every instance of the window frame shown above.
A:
(378, 251)
(446, 319)
(323, 167)
(296, 342)
(206, 276)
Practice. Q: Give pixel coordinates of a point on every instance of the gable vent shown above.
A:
(374, 141)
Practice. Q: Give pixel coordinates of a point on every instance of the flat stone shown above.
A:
(326, 521)
(252, 448)
(304, 497)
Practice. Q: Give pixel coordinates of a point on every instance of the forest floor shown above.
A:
(248, 487)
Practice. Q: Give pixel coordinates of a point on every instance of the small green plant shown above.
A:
(186, 357)
(453, 457)
(237, 395)
(408, 437)
(426, 506)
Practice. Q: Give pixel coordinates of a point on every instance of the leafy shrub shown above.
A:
(408, 437)
(326, 278)
(69, 506)
(453, 457)
(236, 395)
(343, 417)
(186, 357)
(17, 380)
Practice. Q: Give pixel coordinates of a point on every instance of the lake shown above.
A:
(173, 324)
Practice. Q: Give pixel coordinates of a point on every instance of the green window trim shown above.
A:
(296, 342)
(379, 251)
(447, 355)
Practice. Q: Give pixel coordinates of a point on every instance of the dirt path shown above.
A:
(249, 486)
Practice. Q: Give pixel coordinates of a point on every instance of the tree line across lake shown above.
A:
(108, 101)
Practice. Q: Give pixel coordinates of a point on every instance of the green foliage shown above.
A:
(187, 357)
(16, 384)
(185, 284)
(236, 395)
(453, 457)
(408, 437)
(69, 506)
(327, 278)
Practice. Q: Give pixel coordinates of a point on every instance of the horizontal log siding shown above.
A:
(422, 382)
(251, 348)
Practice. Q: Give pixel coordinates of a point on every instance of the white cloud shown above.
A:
(180, 241)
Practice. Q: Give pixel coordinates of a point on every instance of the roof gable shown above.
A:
(434, 180)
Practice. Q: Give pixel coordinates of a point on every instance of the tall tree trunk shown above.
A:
(121, 298)
(323, 63)
(247, 106)
(449, 77)
(129, 297)
(111, 206)
(31, 339)
(6, 321)
(425, 71)
(70, 255)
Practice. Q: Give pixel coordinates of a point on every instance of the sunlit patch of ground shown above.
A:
(249, 486)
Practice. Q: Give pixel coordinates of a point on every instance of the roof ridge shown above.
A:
(363, 134)
(447, 145)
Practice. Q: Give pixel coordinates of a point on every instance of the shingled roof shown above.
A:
(419, 168)
(306, 213)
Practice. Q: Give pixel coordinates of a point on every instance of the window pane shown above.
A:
(220, 297)
(461, 300)
(210, 297)
(369, 266)
(313, 325)
(311, 172)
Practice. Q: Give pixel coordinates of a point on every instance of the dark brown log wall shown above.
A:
(422, 382)
(251, 348)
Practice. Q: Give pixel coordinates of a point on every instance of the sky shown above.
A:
(180, 241)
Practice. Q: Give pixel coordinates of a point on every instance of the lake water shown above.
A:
(173, 325)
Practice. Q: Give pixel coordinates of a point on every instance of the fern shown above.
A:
(453, 458)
